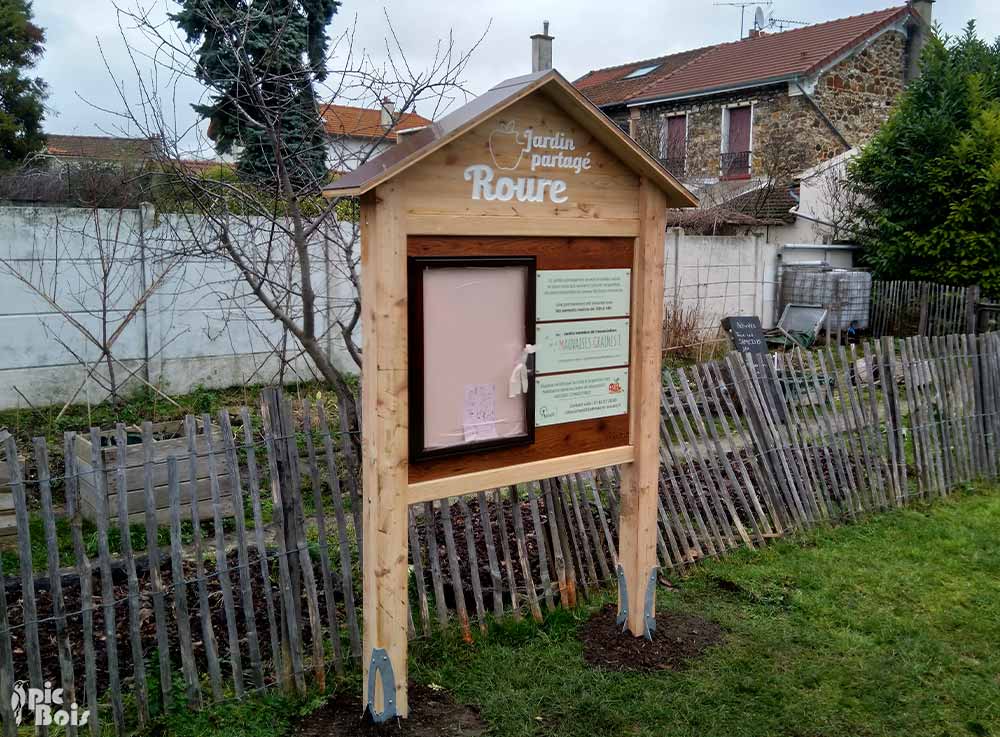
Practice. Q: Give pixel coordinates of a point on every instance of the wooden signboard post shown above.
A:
(512, 301)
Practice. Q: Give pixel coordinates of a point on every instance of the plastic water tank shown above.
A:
(846, 292)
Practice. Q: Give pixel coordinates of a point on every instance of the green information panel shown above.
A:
(582, 396)
(575, 294)
(587, 344)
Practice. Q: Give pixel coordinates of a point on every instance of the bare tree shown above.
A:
(279, 235)
(839, 202)
(95, 275)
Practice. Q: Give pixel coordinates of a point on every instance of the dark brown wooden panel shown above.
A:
(551, 253)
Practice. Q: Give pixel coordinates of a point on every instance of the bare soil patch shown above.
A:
(679, 638)
(432, 714)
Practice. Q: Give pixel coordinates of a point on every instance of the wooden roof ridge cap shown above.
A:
(421, 144)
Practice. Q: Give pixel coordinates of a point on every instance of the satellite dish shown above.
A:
(758, 18)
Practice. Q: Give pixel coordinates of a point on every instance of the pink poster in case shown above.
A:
(474, 335)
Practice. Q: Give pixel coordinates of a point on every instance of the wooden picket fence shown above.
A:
(130, 621)
(905, 308)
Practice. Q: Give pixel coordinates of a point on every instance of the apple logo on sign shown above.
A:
(505, 146)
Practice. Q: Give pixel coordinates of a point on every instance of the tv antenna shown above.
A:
(743, 9)
(782, 23)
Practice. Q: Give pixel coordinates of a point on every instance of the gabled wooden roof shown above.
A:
(416, 146)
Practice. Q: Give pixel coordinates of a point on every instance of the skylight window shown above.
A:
(640, 72)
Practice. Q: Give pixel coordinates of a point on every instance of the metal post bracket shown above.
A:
(649, 613)
(622, 599)
(381, 665)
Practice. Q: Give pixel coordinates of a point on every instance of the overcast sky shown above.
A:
(588, 34)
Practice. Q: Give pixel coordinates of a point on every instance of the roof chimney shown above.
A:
(919, 30)
(388, 114)
(541, 50)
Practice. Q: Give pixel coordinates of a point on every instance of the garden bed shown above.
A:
(169, 439)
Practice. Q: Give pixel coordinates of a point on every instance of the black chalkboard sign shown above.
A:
(746, 333)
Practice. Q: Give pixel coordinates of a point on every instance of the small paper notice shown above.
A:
(479, 420)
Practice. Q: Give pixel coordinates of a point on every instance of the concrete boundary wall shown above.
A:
(717, 276)
(201, 327)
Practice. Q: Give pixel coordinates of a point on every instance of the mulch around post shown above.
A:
(433, 713)
(679, 639)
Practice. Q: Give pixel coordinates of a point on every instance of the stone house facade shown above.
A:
(727, 118)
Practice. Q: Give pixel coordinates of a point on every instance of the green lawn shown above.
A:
(890, 627)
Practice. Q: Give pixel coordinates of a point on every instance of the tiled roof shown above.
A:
(362, 122)
(758, 60)
(102, 148)
(769, 204)
(611, 85)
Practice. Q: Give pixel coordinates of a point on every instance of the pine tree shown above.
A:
(21, 97)
(930, 180)
(282, 45)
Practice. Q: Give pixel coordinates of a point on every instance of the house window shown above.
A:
(673, 144)
(736, 142)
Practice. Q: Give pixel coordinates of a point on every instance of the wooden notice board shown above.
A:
(512, 305)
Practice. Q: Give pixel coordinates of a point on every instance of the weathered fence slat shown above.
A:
(6, 645)
(84, 574)
(135, 637)
(295, 520)
(107, 585)
(508, 563)
(329, 594)
(522, 549)
(491, 553)
(155, 572)
(253, 481)
(564, 574)
(416, 558)
(353, 475)
(540, 542)
(28, 605)
(594, 536)
(453, 569)
(343, 538)
(183, 616)
(291, 640)
(222, 562)
(434, 554)
(204, 613)
(6, 664)
(55, 575)
(473, 560)
(242, 554)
